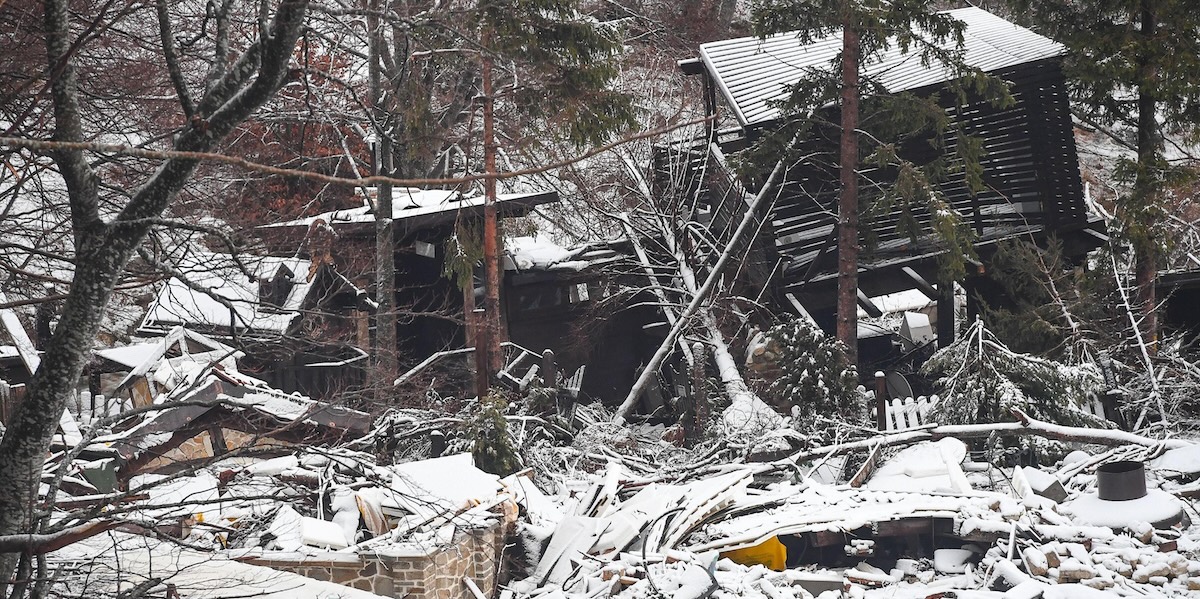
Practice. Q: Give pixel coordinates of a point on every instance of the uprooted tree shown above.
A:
(218, 85)
(983, 381)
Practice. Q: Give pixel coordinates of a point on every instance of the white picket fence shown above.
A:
(906, 413)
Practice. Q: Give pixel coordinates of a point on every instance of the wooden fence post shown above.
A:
(881, 400)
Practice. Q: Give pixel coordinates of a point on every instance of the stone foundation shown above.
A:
(435, 573)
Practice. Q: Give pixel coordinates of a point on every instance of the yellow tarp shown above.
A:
(770, 553)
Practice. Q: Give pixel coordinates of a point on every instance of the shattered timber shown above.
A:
(669, 417)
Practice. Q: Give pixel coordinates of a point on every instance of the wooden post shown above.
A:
(694, 420)
(549, 370)
(5, 402)
(881, 400)
(945, 314)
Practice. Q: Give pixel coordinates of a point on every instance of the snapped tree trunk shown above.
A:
(699, 296)
(848, 248)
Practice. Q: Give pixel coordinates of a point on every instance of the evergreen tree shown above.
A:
(540, 70)
(1038, 303)
(491, 446)
(554, 66)
(1132, 65)
(546, 68)
(814, 373)
(869, 27)
(980, 380)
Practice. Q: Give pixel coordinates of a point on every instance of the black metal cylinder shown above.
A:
(1121, 481)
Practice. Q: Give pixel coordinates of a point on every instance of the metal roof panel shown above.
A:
(753, 74)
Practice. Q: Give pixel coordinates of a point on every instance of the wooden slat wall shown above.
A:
(1030, 171)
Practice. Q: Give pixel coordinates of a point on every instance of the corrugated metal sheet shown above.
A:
(753, 73)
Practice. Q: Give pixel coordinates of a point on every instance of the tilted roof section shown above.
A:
(180, 303)
(753, 73)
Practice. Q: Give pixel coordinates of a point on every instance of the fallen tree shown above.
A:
(700, 303)
(1024, 425)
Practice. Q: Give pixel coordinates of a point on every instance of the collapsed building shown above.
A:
(285, 495)
(1030, 170)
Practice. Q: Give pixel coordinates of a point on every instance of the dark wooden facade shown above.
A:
(1030, 174)
(429, 305)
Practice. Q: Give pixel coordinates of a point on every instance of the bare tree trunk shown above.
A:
(385, 281)
(848, 248)
(491, 232)
(103, 248)
(847, 202)
(1146, 188)
(385, 246)
(1145, 275)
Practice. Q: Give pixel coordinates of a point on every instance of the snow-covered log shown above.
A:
(1025, 425)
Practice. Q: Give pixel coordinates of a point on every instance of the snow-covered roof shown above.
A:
(421, 206)
(141, 355)
(258, 395)
(753, 73)
(540, 253)
(208, 275)
(122, 559)
(233, 391)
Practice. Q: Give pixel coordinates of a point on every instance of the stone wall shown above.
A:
(433, 573)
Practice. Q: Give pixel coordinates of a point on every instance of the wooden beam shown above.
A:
(979, 268)
(791, 297)
(868, 467)
(691, 66)
(1101, 237)
(866, 304)
(815, 265)
(945, 315)
(922, 285)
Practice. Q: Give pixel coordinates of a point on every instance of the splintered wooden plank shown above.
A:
(868, 467)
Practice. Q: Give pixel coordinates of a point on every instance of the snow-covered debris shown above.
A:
(928, 466)
(450, 482)
(233, 297)
(638, 535)
(123, 560)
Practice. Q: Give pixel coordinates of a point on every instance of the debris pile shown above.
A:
(216, 467)
(926, 522)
